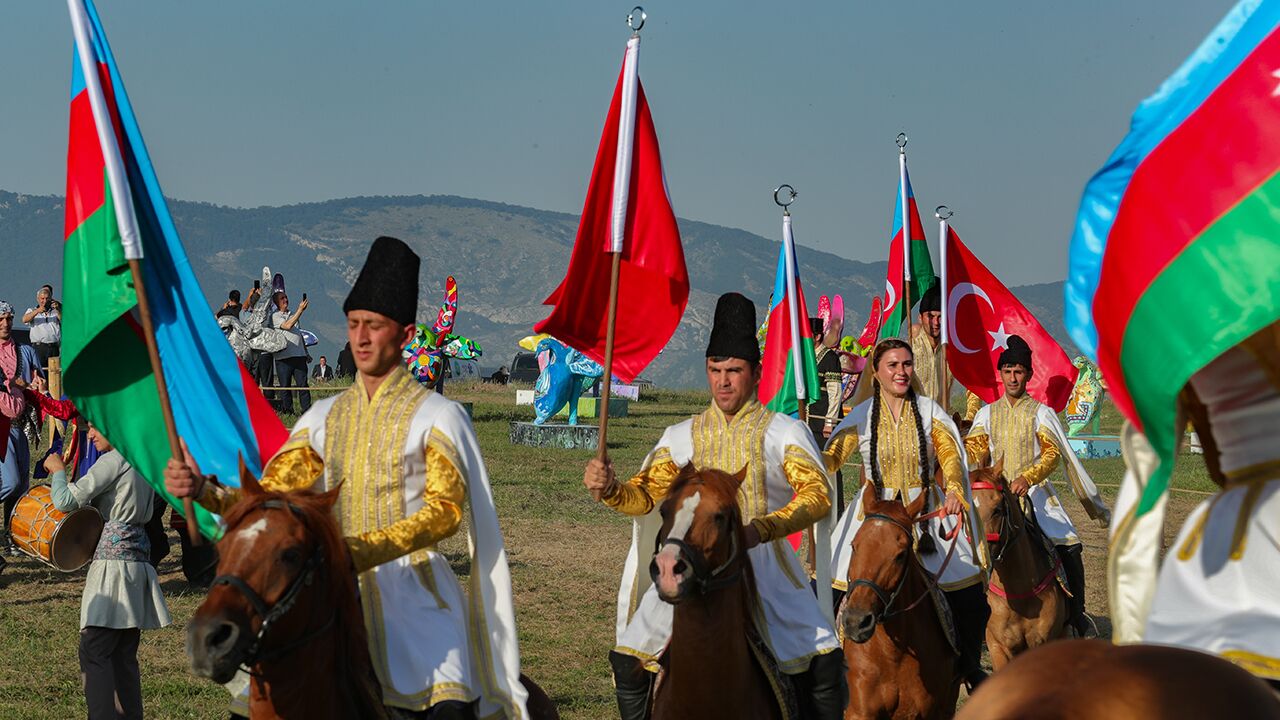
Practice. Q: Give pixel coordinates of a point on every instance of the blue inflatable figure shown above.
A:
(566, 373)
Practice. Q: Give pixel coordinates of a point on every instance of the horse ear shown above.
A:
(916, 506)
(956, 418)
(329, 498)
(997, 468)
(868, 496)
(741, 475)
(248, 482)
(687, 471)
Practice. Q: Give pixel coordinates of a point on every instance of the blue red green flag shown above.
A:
(116, 212)
(788, 345)
(1174, 257)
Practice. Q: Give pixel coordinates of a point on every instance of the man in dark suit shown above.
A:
(322, 371)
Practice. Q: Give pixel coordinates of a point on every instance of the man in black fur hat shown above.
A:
(1028, 437)
(409, 466)
(786, 491)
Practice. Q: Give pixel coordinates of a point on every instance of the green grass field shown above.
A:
(566, 555)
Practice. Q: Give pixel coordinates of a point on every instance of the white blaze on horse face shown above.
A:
(683, 521)
(251, 533)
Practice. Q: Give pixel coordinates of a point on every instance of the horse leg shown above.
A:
(539, 704)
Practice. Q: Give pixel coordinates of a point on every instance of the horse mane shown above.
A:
(315, 511)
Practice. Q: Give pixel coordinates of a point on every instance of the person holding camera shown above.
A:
(45, 320)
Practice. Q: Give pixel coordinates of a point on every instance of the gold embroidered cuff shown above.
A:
(839, 448)
(640, 494)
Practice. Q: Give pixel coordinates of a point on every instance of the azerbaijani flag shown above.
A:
(788, 343)
(1175, 256)
(922, 277)
(116, 213)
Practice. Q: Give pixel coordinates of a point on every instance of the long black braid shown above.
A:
(925, 545)
(875, 437)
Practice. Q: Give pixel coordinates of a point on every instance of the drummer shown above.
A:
(122, 594)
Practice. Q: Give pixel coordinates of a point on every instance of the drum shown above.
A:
(63, 541)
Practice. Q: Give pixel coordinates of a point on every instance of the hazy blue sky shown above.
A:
(1010, 106)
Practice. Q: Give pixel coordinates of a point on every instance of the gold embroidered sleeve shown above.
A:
(1046, 463)
(948, 454)
(437, 519)
(839, 448)
(972, 404)
(811, 503)
(295, 466)
(641, 493)
(977, 446)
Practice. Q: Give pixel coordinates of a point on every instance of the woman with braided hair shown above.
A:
(900, 434)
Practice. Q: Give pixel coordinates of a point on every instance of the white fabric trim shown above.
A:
(626, 146)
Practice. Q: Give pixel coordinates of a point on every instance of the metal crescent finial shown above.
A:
(791, 196)
(942, 212)
(631, 17)
(901, 142)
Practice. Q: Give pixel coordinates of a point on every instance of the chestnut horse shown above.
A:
(284, 606)
(900, 663)
(1095, 679)
(701, 567)
(1028, 607)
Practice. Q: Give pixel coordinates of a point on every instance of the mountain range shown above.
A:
(506, 260)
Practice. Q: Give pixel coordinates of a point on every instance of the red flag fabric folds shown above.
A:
(982, 313)
(653, 286)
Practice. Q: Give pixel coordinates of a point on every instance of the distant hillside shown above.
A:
(506, 260)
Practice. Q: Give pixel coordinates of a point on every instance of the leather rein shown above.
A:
(887, 599)
(1006, 540)
(270, 615)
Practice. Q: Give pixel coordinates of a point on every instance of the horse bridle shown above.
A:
(270, 615)
(707, 580)
(1005, 539)
(887, 599)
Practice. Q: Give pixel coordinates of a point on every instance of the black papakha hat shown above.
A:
(1017, 352)
(733, 335)
(931, 300)
(815, 327)
(388, 282)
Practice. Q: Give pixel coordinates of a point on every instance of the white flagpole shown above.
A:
(943, 213)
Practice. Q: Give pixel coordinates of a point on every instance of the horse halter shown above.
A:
(271, 615)
(1005, 539)
(707, 580)
(886, 598)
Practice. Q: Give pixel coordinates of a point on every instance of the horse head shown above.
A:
(880, 564)
(701, 546)
(962, 425)
(998, 509)
(282, 579)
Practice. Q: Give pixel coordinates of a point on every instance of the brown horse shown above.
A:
(702, 568)
(900, 663)
(1095, 679)
(1028, 607)
(284, 606)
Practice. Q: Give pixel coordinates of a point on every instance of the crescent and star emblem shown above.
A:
(999, 338)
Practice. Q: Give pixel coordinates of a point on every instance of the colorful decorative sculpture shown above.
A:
(1084, 408)
(566, 373)
(425, 354)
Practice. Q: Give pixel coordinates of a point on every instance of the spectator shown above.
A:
(346, 363)
(501, 377)
(322, 372)
(291, 361)
(45, 320)
(15, 455)
(232, 307)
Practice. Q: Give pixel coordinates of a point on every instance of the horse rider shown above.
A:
(900, 434)
(1218, 589)
(926, 337)
(408, 462)
(786, 490)
(1032, 442)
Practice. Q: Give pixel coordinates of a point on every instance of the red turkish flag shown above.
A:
(981, 314)
(653, 286)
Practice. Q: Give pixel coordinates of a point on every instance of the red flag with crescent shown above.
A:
(981, 314)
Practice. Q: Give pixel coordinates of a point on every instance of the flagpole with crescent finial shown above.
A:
(943, 213)
(618, 222)
(901, 142)
(793, 305)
